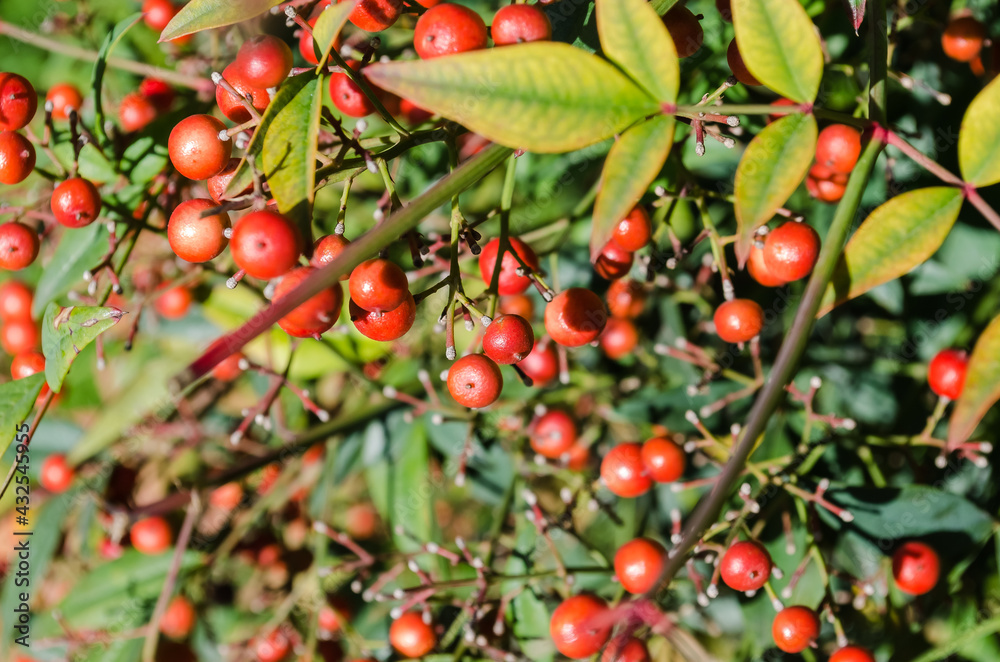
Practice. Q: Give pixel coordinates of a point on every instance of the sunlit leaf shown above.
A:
(66, 331)
(982, 385)
(979, 138)
(199, 15)
(634, 38)
(328, 27)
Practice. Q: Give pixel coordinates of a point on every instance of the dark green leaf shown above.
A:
(16, 400)
(78, 251)
(66, 331)
(97, 79)
(634, 38)
(982, 386)
(199, 15)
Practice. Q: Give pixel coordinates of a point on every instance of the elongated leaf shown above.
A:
(199, 15)
(634, 38)
(543, 97)
(661, 7)
(290, 154)
(896, 238)
(101, 65)
(66, 331)
(772, 167)
(411, 500)
(982, 385)
(779, 46)
(328, 27)
(632, 164)
(16, 400)
(78, 250)
(979, 138)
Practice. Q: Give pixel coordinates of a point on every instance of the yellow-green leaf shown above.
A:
(634, 38)
(979, 138)
(772, 167)
(895, 239)
(199, 15)
(16, 400)
(328, 27)
(982, 386)
(632, 164)
(779, 45)
(66, 331)
(543, 96)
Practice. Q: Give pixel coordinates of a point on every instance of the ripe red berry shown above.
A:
(229, 368)
(27, 364)
(578, 457)
(218, 183)
(76, 203)
(838, 147)
(745, 566)
(264, 61)
(852, 654)
(378, 285)
(517, 304)
(327, 249)
(317, 314)
(195, 238)
(626, 298)
(412, 113)
(56, 475)
(178, 619)
(663, 460)
(946, 373)
(915, 567)
(685, 29)
(632, 650)
(151, 535)
(623, 472)
(159, 93)
(18, 101)
(634, 231)
(274, 647)
(791, 251)
(17, 157)
(619, 338)
(508, 339)
(517, 24)
(375, 15)
(195, 148)
(18, 246)
(411, 636)
(18, 336)
(63, 97)
(738, 320)
(174, 303)
(826, 185)
(15, 301)
(553, 434)
(541, 365)
(738, 66)
(475, 381)
(614, 262)
(575, 626)
(794, 628)
(963, 39)
(448, 29)
(638, 564)
(230, 104)
(136, 112)
(347, 95)
(328, 620)
(575, 317)
(307, 43)
(158, 13)
(774, 117)
(265, 244)
(759, 271)
(510, 282)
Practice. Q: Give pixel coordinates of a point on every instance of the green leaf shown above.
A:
(661, 7)
(93, 165)
(896, 238)
(16, 400)
(634, 38)
(101, 65)
(78, 251)
(199, 15)
(779, 46)
(411, 500)
(982, 385)
(772, 167)
(542, 97)
(953, 646)
(979, 138)
(66, 331)
(290, 154)
(632, 164)
(328, 27)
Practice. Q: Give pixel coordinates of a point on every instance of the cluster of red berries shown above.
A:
(19, 337)
(625, 299)
(837, 151)
(18, 103)
(630, 469)
(631, 234)
(138, 109)
(448, 29)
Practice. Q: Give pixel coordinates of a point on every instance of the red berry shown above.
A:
(15, 301)
(228, 496)
(19, 336)
(638, 564)
(76, 203)
(632, 650)
(136, 112)
(794, 628)
(195, 238)
(412, 113)
(328, 620)
(634, 231)
(510, 282)
(27, 364)
(274, 647)
(663, 460)
(229, 368)
(448, 29)
(411, 636)
(575, 626)
(541, 365)
(347, 96)
(307, 43)
(508, 339)
(553, 434)
(218, 183)
(151, 535)
(378, 285)
(317, 314)
(195, 148)
(838, 147)
(230, 104)
(17, 157)
(619, 338)
(685, 29)
(63, 97)
(745, 566)
(963, 39)
(915, 567)
(18, 246)
(783, 102)
(946, 373)
(265, 244)
(759, 271)
(575, 317)
(518, 304)
(158, 13)
(178, 619)
(623, 472)
(614, 262)
(738, 66)
(517, 24)
(738, 320)
(18, 101)
(56, 475)
(159, 93)
(826, 190)
(327, 249)
(174, 303)
(475, 381)
(361, 521)
(626, 298)
(264, 61)
(791, 251)
(852, 654)
(375, 15)
(578, 457)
